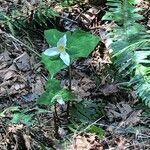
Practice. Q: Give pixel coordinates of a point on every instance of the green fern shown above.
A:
(131, 46)
(22, 19)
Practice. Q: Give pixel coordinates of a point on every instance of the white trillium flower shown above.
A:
(60, 49)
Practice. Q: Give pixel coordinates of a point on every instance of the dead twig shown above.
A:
(15, 39)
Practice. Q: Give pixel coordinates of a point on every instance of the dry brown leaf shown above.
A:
(133, 118)
(13, 82)
(121, 110)
(87, 141)
(17, 88)
(3, 91)
(120, 143)
(5, 60)
(23, 62)
(109, 89)
(87, 17)
(38, 86)
(27, 140)
(82, 87)
(9, 72)
(14, 128)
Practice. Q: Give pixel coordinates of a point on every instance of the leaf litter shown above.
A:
(22, 81)
(17, 76)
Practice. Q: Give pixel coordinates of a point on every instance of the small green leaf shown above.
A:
(52, 89)
(21, 117)
(52, 65)
(16, 117)
(27, 119)
(66, 94)
(97, 130)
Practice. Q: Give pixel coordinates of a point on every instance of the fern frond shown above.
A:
(131, 46)
(24, 18)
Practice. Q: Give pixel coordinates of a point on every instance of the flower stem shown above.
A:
(70, 79)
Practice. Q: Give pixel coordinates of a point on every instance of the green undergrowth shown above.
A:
(84, 114)
(79, 44)
(26, 18)
(130, 45)
(131, 57)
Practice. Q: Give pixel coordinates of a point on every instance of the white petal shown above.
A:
(60, 101)
(65, 57)
(51, 51)
(62, 41)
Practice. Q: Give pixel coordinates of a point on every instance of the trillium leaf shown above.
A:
(79, 44)
(52, 89)
(52, 36)
(53, 65)
(66, 94)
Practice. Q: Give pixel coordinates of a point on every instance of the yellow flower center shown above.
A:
(61, 48)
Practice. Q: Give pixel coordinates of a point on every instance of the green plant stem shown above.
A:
(70, 82)
(55, 116)
(70, 78)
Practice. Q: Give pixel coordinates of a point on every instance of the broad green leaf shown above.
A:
(52, 89)
(53, 85)
(45, 98)
(79, 44)
(27, 119)
(52, 36)
(53, 65)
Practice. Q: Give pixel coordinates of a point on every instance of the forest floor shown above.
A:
(102, 117)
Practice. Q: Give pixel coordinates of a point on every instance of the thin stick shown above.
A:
(11, 36)
(88, 126)
(56, 114)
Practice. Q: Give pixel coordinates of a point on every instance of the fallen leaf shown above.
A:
(5, 60)
(23, 62)
(86, 141)
(109, 89)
